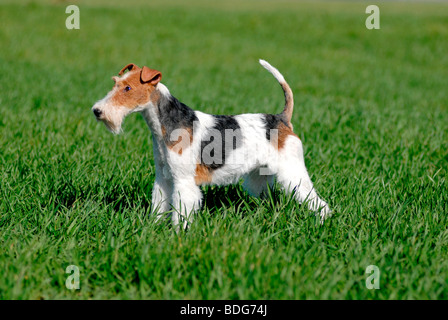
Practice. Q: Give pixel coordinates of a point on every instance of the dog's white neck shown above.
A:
(151, 115)
(163, 89)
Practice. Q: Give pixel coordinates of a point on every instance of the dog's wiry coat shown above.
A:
(192, 148)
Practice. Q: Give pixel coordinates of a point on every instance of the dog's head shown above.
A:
(133, 91)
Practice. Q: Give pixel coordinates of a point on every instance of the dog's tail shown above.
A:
(289, 100)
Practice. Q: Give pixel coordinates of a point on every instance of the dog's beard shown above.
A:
(113, 119)
(112, 127)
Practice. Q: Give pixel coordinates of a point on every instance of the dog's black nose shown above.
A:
(97, 112)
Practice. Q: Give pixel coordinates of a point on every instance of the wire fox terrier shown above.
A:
(192, 148)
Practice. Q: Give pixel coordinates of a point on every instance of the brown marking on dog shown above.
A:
(136, 88)
(203, 175)
(150, 75)
(154, 96)
(129, 67)
(184, 140)
(284, 132)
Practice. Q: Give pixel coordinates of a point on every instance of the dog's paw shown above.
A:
(325, 212)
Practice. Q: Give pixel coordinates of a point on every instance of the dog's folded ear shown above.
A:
(150, 75)
(129, 67)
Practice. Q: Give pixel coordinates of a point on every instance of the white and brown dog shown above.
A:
(192, 148)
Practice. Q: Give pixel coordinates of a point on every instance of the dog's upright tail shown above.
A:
(289, 100)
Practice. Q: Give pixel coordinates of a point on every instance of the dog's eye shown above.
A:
(127, 88)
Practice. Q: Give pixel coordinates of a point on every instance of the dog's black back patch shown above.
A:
(271, 122)
(220, 141)
(173, 115)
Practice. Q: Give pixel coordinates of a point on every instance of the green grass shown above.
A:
(371, 109)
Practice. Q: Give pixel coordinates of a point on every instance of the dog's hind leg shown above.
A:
(293, 177)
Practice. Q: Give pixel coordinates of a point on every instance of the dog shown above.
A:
(192, 148)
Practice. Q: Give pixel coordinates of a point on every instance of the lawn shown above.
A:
(371, 107)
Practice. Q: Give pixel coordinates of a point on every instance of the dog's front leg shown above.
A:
(187, 198)
(161, 193)
(163, 185)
